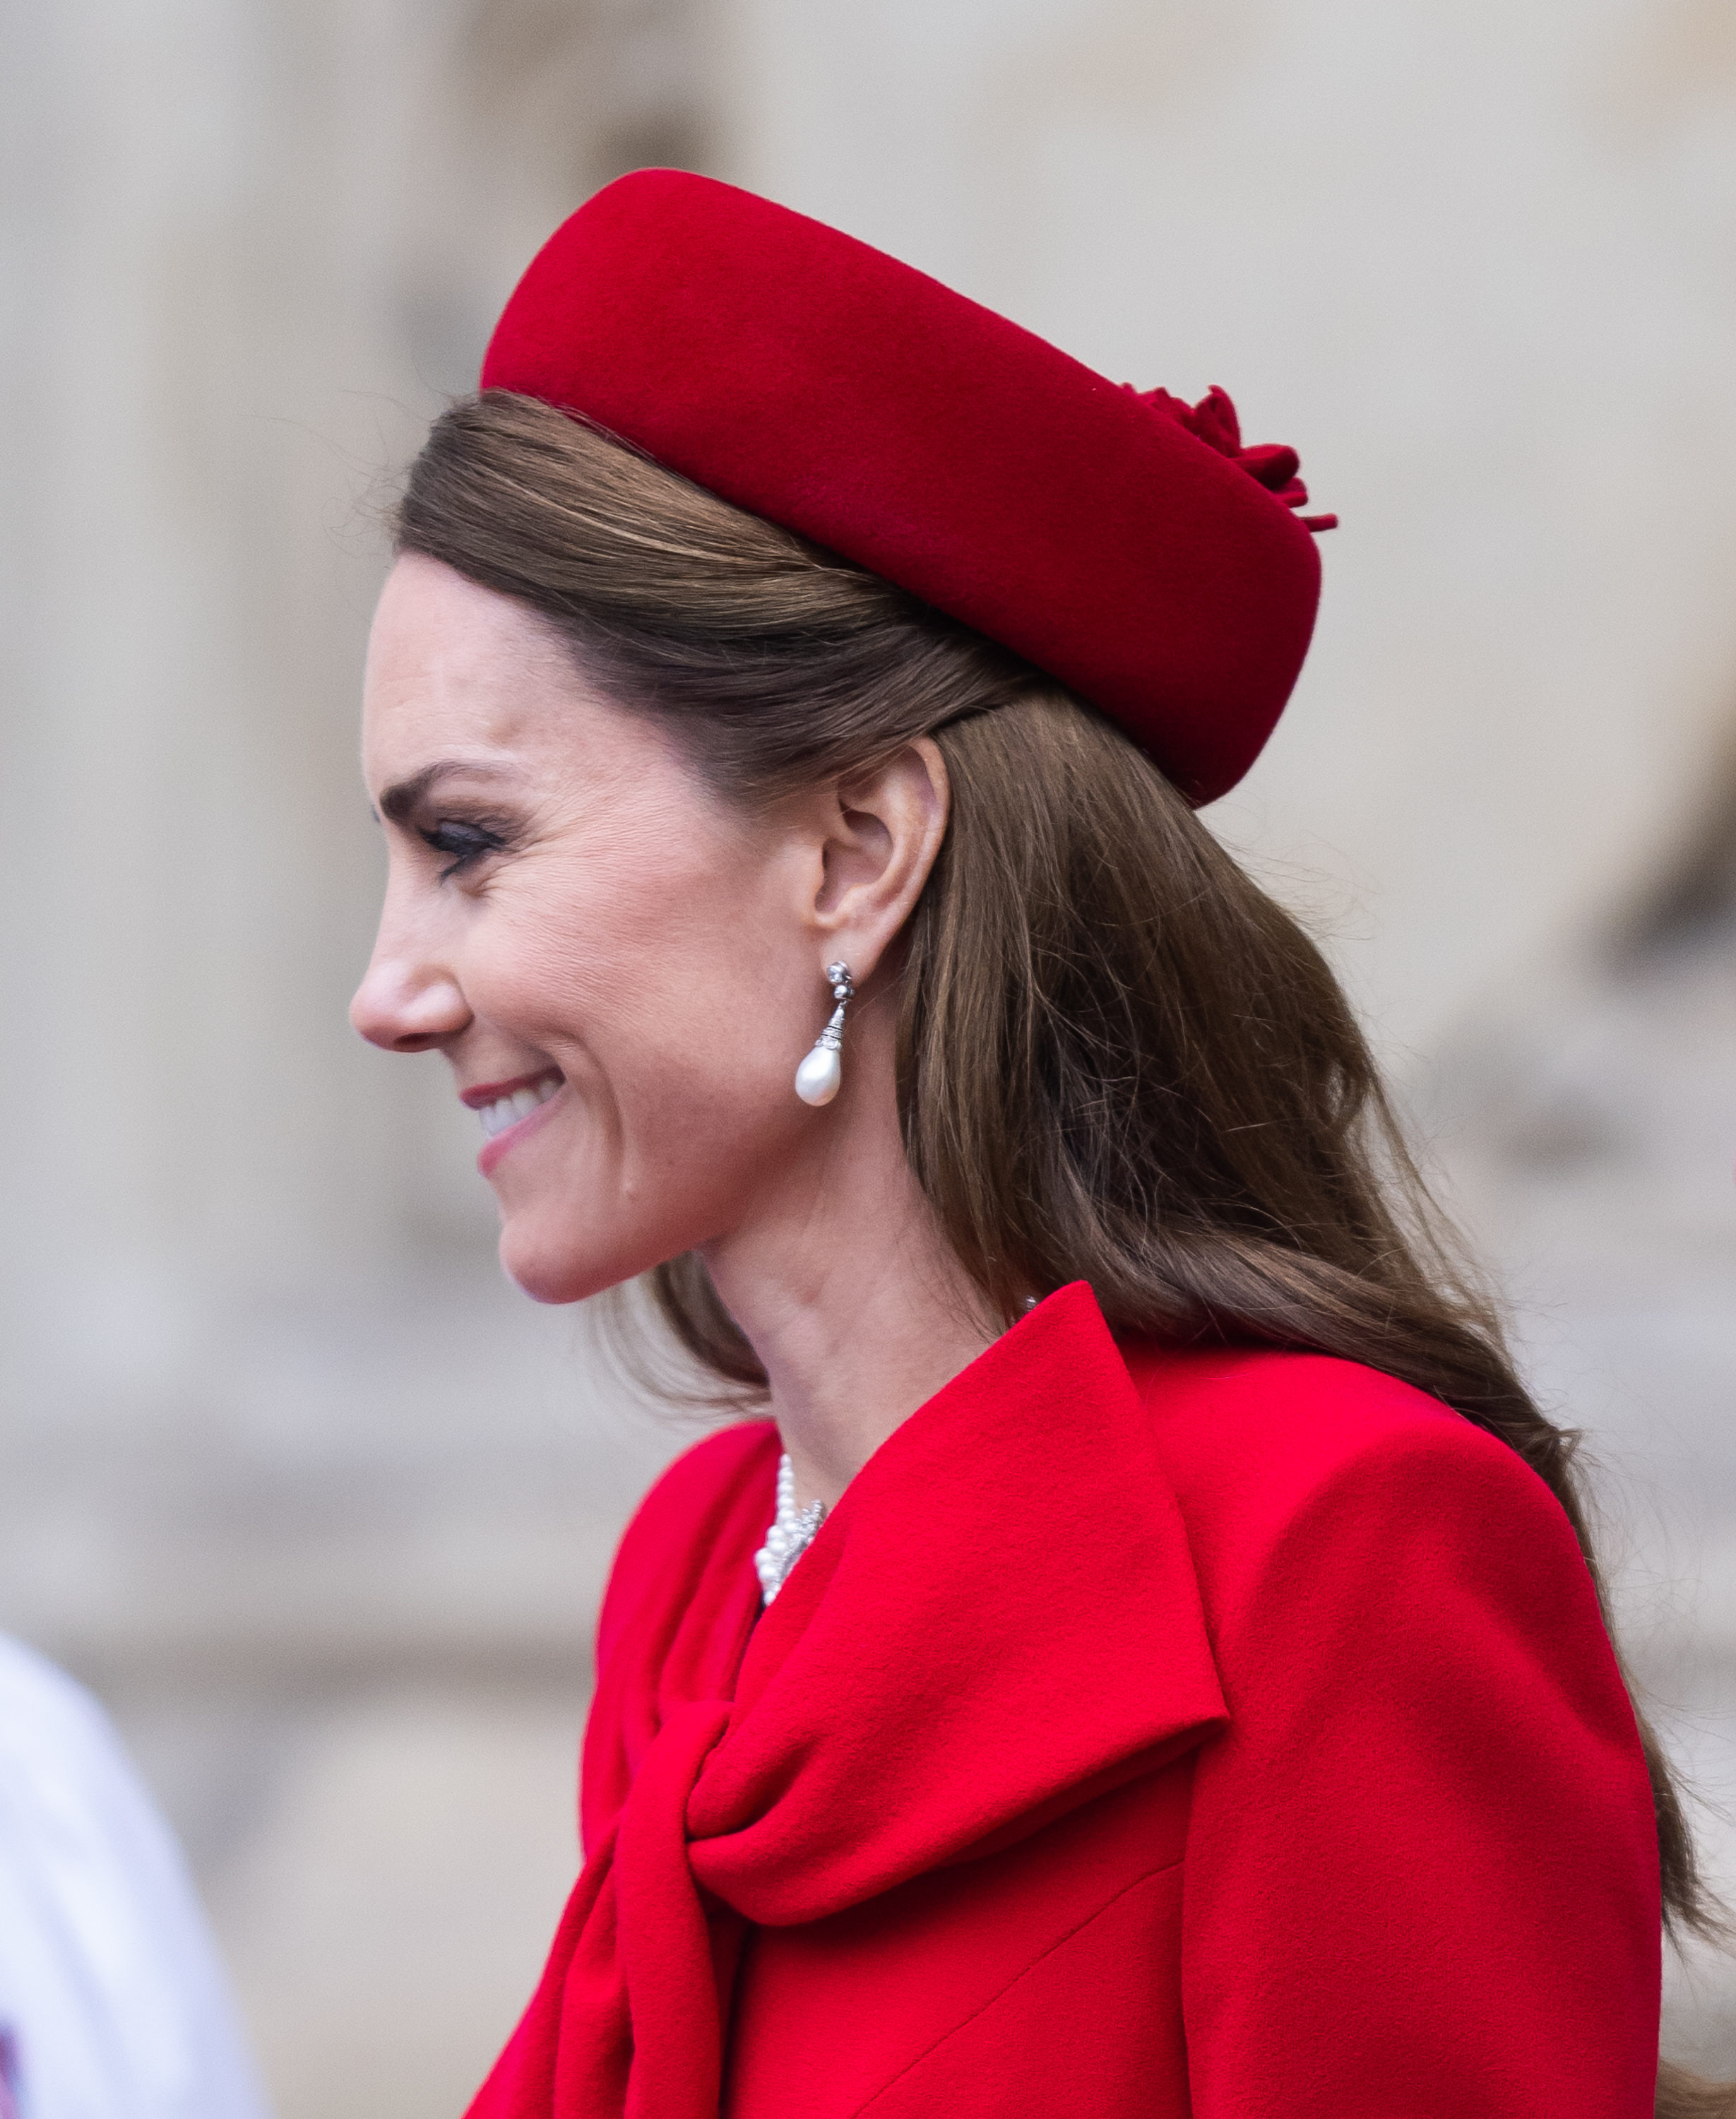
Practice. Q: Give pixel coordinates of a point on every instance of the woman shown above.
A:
(1145, 1657)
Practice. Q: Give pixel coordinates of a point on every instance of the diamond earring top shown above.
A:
(818, 1077)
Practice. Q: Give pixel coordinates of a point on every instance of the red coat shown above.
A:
(1144, 1734)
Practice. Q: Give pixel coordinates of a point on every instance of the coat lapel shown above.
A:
(999, 1618)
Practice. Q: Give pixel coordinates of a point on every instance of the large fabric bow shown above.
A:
(1015, 1545)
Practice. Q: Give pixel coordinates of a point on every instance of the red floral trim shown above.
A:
(1213, 420)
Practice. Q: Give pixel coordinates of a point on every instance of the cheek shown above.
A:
(678, 1016)
(686, 979)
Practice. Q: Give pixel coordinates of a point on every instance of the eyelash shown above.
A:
(466, 842)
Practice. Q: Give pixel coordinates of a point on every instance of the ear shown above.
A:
(882, 831)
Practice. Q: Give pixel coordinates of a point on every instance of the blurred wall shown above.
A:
(248, 246)
(322, 1506)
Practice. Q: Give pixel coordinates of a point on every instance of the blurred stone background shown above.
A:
(317, 1504)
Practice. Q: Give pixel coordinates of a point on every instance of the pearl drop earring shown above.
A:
(820, 1073)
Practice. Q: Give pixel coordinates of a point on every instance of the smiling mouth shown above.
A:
(515, 1102)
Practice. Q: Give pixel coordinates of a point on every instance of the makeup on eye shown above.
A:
(464, 841)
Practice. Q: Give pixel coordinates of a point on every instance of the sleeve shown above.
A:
(1422, 1876)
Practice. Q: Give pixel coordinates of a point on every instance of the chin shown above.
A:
(550, 1280)
(562, 1272)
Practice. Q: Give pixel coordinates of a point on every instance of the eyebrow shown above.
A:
(401, 800)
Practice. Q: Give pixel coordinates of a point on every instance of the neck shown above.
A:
(841, 1282)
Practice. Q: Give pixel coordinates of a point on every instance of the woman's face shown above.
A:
(622, 969)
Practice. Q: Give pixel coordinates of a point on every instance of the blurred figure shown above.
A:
(113, 2005)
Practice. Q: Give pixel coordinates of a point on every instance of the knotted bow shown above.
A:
(1213, 420)
(894, 1710)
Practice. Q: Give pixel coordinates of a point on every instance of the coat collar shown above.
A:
(999, 1620)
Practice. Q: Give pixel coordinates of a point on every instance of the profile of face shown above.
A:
(623, 968)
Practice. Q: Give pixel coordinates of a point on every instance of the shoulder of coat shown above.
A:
(1250, 1437)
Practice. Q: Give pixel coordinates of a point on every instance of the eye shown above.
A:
(463, 844)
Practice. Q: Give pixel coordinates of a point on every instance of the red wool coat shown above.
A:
(1144, 1734)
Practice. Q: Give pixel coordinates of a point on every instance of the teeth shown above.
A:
(508, 1111)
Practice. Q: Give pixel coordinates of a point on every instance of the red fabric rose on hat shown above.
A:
(1213, 420)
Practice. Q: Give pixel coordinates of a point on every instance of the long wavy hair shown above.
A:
(1118, 1060)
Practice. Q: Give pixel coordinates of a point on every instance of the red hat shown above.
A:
(1125, 543)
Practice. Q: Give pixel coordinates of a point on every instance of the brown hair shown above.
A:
(1118, 1060)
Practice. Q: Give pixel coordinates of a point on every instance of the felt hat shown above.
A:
(1125, 542)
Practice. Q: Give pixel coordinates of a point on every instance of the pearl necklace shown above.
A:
(791, 1533)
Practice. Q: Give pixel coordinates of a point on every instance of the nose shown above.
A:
(403, 1007)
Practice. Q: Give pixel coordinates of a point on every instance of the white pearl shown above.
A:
(819, 1076)
(789, 1535)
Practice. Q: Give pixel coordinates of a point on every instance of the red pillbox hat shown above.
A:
(1126, 543)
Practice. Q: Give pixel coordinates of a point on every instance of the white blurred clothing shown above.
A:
(110, 1989)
